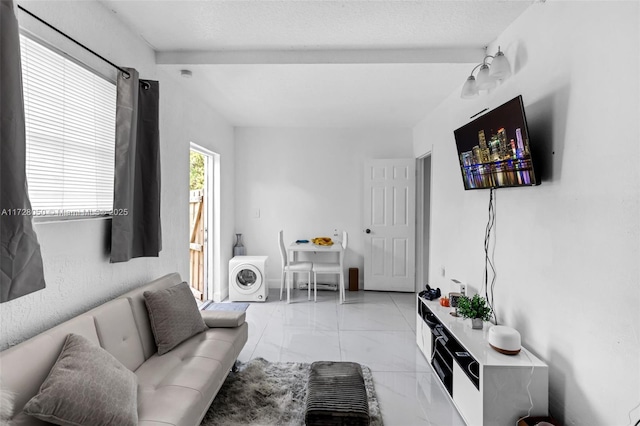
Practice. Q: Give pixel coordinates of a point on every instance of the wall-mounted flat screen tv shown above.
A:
(494, 149)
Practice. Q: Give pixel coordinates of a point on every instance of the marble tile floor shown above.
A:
(376, 329)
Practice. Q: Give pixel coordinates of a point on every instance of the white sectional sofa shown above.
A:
(176, 388)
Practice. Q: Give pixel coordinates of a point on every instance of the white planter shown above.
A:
(476, 323)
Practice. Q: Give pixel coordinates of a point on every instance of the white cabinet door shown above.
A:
(389, 219)
(466, 397)
(419, 337)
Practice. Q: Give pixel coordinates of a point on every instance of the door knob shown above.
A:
(368, 231)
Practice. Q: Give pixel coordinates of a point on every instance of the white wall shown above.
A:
(307, 182)
(188, 119)
(76, 261)
(566, 251)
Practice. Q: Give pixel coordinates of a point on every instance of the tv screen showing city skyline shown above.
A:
(493, 149)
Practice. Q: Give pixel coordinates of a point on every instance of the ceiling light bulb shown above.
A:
(500, 68)
(186, 73)
(470, 88)
(485, 81)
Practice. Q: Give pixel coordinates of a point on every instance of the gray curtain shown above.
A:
(21, 269)
(135, 228)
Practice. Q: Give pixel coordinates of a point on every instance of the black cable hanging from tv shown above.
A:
(125, 72)
(488, 289)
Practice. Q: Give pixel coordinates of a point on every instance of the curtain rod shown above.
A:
(75, 41)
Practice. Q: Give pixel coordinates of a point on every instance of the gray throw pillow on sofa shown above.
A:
(86, 386)
(174, 316)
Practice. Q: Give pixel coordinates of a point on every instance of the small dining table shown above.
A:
(295, 248)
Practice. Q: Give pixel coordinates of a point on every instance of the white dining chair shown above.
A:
(289, 268)
(332, 268)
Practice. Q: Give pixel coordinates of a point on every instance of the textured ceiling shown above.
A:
(203, 25)
(320, 63)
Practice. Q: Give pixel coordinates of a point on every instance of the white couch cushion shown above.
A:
(139, 309)
(169, 405)
(118, 333)
(199, 364)
(236, 336)
(188, 379)
(223, 318)
(27, 365)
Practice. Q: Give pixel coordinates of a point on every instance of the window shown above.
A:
(70, 134)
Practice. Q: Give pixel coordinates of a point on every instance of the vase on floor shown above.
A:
(238, 248)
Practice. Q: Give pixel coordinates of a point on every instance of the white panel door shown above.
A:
(389, 219)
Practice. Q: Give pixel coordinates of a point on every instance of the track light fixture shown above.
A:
(488, 75)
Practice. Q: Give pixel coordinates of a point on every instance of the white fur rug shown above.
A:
(6, 406)
(271, 393)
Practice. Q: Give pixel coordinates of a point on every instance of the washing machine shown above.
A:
(248, 279)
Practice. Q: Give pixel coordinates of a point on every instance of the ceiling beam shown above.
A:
(322, 56)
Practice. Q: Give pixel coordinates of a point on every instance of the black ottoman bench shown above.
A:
(336, 395)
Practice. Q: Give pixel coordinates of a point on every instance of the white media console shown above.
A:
(487, 387)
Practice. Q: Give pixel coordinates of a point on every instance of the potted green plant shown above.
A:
(475, 308)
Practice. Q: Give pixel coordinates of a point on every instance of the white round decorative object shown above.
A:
(505, 340)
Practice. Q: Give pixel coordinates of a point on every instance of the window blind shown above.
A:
(70, 133)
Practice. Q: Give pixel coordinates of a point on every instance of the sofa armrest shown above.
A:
(223, 319)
